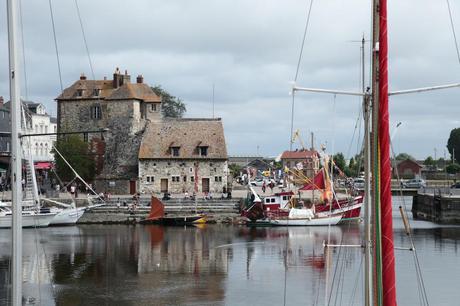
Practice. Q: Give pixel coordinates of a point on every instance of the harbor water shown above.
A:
(223, 264)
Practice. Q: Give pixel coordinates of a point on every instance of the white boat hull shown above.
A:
(68, 216)
(28, 220)
(332, 220)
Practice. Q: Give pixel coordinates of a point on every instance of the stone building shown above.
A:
(130, 114)
(179, 155)
(121, 108)
(305, 160)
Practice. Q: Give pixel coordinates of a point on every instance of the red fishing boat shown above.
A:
(279, 204)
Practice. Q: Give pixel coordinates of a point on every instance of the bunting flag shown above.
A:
(387, 250)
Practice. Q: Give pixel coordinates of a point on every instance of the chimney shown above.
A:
(116, 78)
(126, 78)
(82, 76)
(140, 79)
(1, 101)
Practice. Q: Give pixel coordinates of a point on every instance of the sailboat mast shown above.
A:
(367, 190)
(16, 175)
(385, 280)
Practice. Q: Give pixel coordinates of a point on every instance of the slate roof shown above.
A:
(138, 91)
(188, 134)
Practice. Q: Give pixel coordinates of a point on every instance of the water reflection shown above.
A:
(211, 265)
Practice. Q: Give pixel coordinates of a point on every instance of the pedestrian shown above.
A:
(72, 190)
(272, 185)
(263, 187)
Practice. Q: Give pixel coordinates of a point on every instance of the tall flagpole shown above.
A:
(16, 174)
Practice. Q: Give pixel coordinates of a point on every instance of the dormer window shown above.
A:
(79, 92)
(203, 151)
(175, 151)
(96, 92)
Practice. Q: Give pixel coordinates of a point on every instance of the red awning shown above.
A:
(43, 165)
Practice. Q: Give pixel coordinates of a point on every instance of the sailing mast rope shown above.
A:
(453, 30)
(56, 45)
(23, 50)
(307, 22)
(84, 40)
(420, 282)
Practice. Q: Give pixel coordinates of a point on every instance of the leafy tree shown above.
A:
(171, 106)
(339, 161)
(234, 170)
(350, 170)
(453, 144)
(78, 155)
(453, 168)
(403, 156)
(429, 161)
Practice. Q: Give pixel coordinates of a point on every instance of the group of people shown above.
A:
(271, 184)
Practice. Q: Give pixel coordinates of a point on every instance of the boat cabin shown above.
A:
(278, 200)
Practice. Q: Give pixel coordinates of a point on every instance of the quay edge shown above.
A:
(438, 208)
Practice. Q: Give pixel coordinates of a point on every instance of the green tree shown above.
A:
(453, 168)
(339, 161)
(404, 156)
(234, 170)
(350, 170)
(171, 106)
(429, 161)
(78, 155)
(453, 144)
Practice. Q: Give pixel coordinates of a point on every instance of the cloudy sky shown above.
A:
(249, 50)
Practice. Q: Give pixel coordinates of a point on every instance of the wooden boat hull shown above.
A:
(176, 221)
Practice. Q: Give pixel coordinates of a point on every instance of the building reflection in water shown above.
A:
(142, 265)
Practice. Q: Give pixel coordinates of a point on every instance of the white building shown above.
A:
(39, 122)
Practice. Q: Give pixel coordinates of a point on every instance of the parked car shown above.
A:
(414, 183)
(455, 185)
(258, 182)
(358, 183)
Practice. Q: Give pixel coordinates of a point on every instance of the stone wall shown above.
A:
(122, 141)
(183, 172)
(444, 209)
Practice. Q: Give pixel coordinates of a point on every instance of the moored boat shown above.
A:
(30, 218)
(157, 215)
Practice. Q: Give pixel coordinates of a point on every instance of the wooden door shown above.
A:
(164, 185)
(205, 184)
(132, 187)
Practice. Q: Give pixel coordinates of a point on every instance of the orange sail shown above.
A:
(157, 209)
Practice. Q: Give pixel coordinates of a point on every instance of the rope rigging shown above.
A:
(453, 30)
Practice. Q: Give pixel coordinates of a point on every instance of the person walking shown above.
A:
(263, 187)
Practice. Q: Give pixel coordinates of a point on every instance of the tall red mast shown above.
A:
(387, 251)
